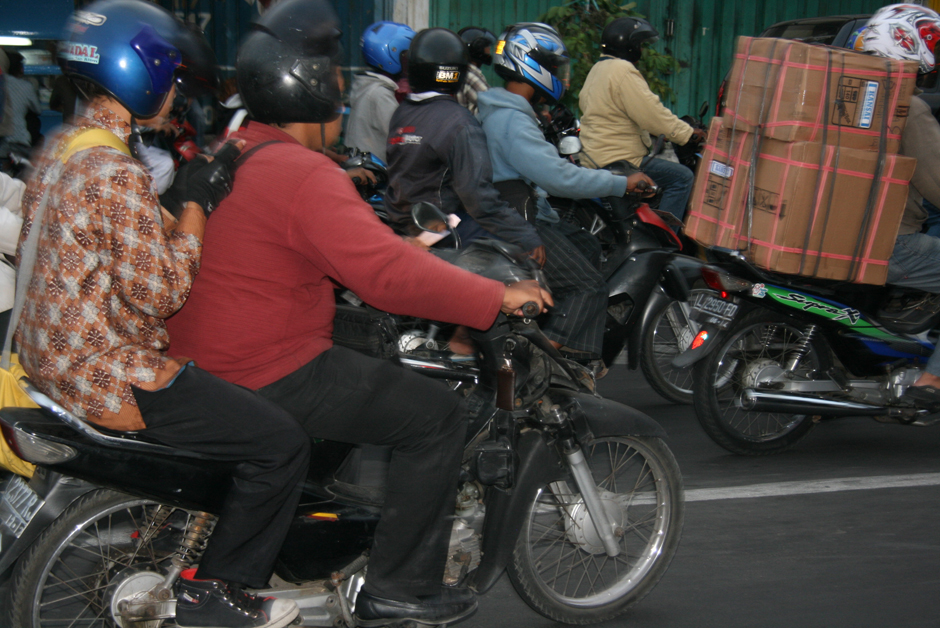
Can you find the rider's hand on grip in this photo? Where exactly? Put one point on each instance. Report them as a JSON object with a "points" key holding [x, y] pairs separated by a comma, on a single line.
{"points": [[640, 183], [525, 294]]}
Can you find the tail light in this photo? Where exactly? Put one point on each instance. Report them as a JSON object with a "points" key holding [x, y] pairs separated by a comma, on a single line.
{"points": [[32, 448], [724, 282], [699, 340]]}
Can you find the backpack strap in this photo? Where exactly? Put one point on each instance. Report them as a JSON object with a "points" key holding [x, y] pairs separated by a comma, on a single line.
{"points": [[89, 138], [241, 159]]}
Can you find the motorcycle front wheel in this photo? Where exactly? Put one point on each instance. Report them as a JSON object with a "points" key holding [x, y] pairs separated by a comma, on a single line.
{"points": [[559, 565], [104, 548], [757, 349]]}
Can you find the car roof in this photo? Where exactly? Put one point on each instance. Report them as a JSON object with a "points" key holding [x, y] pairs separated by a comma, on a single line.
{"points": [[821, 20]]}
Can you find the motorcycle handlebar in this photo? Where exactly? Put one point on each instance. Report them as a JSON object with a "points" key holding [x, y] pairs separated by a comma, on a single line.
{"points": [[530, 309]]}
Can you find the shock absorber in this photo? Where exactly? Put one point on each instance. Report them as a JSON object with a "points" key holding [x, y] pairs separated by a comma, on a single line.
{"points": [[767, 335], [801, 348], [191, 547]]}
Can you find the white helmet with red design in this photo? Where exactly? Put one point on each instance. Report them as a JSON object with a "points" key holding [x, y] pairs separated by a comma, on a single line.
{"points": [[907, 32]]}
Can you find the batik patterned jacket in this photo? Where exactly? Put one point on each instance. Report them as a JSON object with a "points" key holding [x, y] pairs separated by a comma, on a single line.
{"points": [[105, 278]]}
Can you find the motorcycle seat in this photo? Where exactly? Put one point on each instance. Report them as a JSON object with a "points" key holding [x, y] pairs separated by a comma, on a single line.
{"points": [[908, 311], [103, 436]]}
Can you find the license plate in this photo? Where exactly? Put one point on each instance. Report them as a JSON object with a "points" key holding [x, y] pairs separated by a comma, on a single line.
{"points": [[707, 308], [18, 505]]}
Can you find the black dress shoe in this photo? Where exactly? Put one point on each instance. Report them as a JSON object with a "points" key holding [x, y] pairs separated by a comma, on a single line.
{"points": [[450, 605]]}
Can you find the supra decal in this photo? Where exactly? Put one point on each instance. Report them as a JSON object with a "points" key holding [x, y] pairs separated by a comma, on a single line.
{"points": [[806, 304], [81, 52]]}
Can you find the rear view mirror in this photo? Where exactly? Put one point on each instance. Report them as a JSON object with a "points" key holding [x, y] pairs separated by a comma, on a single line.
{"points": [[429, 217], [703, 111], [569, 145]]}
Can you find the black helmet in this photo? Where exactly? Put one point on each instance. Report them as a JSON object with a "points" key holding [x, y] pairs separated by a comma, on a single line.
{"points": [[437, 62], [198, 75], [286, 67], [478, 40], [624, 36]]}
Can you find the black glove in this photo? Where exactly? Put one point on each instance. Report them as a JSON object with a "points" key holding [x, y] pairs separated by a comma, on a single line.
{"points": [[202, 182]]}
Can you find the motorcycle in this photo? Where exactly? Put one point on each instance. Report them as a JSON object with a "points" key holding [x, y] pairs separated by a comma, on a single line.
{"points": [[778, 354], [650, 280], [577, 497]]}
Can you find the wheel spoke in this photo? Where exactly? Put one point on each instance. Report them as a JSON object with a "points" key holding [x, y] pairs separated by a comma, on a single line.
{"points": [[563, 550]]}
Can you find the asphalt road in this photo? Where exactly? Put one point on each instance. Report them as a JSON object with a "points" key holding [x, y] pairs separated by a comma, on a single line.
{"points": [[841, 531], [763, 546]]}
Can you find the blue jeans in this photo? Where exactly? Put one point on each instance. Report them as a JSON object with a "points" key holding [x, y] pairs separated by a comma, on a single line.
{"points": [[676, 182], [933, 218], [915, 263]]}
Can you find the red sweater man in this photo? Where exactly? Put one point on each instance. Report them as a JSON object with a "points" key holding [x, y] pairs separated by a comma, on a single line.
{"points": [[261, 315]]}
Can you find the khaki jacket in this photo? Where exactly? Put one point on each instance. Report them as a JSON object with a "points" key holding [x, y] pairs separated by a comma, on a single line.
{"points": [[619, 112], [920, 140]]}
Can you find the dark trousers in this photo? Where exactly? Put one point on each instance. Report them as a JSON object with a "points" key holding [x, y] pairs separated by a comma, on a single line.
{"points": [[346, 396], [205, 414], [579, 291]]}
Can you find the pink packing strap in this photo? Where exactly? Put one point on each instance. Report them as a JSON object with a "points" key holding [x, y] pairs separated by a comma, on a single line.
{"points": [[816, 126], [822, 68], [812, 253], [881, 205]]}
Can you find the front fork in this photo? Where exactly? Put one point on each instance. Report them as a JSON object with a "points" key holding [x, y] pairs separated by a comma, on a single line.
{"points": [[584, 480], [559, 422]]}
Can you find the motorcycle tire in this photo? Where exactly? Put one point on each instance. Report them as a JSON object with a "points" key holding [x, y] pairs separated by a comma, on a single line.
{"points": [[670, 333], [559, 565], [756, 347], [100, 545]]}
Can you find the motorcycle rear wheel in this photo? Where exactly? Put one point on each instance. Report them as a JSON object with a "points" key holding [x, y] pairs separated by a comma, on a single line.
{"points": [[760, 340], [71, 572], [670, 333], [560, 568]]}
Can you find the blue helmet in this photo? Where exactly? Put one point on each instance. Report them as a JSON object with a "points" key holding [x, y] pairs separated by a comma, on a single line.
{"points": [[383, 43], [533, 53], [124, 47]]}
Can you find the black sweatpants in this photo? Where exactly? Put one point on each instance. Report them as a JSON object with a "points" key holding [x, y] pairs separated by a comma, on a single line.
{"points": [[346, 396], [208, 415]]}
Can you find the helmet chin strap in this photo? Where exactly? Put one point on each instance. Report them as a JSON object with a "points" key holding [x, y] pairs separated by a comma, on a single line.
{"points": [[134, 140], [323, 138]]}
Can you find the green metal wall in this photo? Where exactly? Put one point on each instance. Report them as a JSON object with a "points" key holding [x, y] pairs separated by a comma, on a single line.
{"points": [[704, 30]]}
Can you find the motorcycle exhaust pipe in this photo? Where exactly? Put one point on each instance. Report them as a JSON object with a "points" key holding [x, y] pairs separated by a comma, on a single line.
{"points": [[789, 403]]}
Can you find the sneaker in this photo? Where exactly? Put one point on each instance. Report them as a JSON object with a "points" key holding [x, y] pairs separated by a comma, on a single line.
{"points": [[451, 605], [215, 604]]}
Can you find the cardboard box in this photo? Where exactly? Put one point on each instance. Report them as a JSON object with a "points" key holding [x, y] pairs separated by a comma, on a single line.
{"points": [[835, 222], [716, 205], [797, 92]]}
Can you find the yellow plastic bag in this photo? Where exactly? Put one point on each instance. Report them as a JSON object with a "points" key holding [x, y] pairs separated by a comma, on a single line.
{"points": [[11, 395]]}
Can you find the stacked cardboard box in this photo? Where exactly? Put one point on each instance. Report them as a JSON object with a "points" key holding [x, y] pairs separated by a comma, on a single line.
{"points": [[801, 173]]}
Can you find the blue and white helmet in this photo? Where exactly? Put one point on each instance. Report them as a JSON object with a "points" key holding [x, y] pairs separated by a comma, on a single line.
{"points": [[533, 53]]}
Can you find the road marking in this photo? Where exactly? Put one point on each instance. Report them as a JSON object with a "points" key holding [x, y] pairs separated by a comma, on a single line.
{"points": [[776, 489]]}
